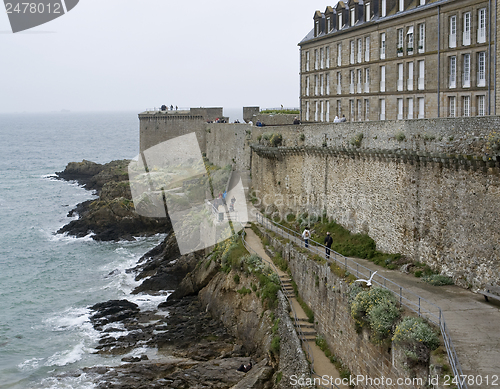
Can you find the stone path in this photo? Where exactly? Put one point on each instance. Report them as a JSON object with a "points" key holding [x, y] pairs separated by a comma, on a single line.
{"points": [[322, 365]]}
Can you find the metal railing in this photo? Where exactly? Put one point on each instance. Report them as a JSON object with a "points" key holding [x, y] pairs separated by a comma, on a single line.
{"points": [[298, 328], [406, 298]]}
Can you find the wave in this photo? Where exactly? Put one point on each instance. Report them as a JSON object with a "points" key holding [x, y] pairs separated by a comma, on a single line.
{"points": [[63, 358], [54, 237]]}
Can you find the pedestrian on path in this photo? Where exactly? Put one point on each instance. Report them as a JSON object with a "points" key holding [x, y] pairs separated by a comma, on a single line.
{"points": [[328, 244], [306, 235]]}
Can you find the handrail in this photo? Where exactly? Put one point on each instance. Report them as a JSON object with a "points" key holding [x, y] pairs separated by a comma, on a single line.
{"points": [[299, 332], [407, 298]]}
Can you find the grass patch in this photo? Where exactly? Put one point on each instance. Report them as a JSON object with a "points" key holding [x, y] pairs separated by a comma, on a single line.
{"points": [[275, 345], [308, 311], [244, 291], [438, 280], [280, 262]]}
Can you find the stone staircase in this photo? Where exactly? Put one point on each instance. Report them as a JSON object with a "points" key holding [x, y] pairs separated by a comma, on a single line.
{"points": [[306, 330]]}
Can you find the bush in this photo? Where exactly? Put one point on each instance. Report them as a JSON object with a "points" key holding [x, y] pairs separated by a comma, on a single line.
{"points": [[275, 345], [438, 280], [414, 331], [356, 140], [244, 291], [377, 308], [400, 136], [236, 278], [276, 140]]}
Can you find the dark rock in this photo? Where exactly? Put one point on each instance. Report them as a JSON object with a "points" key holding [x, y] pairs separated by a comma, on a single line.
{"points": [[113, 311]]}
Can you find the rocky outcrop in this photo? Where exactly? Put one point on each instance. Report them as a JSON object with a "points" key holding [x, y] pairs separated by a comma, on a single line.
{"points": [[112, 216]]}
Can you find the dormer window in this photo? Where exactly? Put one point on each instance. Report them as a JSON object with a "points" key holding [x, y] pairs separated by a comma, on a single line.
{"points": [[341, 24], [316, 28], [328, 24], [353, 16], [401, 5], [368, 15], [383, 8]]}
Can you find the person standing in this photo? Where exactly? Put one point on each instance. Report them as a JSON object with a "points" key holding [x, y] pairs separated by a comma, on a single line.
{"points": [[306, 235], [328, 244]]}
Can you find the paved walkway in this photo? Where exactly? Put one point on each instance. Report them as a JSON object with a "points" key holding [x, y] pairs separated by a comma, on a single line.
{"points": [[322, 365]]}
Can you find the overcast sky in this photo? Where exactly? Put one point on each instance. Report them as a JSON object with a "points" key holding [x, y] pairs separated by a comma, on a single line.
{"points": [[136, 54]]}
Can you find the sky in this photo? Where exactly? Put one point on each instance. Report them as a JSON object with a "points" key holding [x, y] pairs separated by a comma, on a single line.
{"points": [[122, 55]]}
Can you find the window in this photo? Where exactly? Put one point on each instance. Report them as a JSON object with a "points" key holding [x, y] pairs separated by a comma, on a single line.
{"points": [[316, 28], [327, 103], [383, 8], [307, 61], [360, 110], [322, 112], [421, 108], [421, 75], [422, 2], [316, 60], [466, 75], [410, 108], [382, 109], [307, 85], [367, 80], [327, 83], [409, 83], [351, 59], [322, 84], [480, 105], [367, 49], [481, 25], [367, 109], [382, 45], [401, 5], [353, 16], [451, 105], [316, 85], [340, 21], [382, 78], [481, 69], [339, 83], [351, 110], [327, 49], [339, 54], [467, 29], [368, 15], [339, 108], [351, 85], [466, 105], [307, 110], [400, 42], [360, 80], [400, 109], [409, 40], [421, 38], [400, 77], [322, 58], [453, 72], [316, 111], [360, 50], [452, 38], [328, 24]]}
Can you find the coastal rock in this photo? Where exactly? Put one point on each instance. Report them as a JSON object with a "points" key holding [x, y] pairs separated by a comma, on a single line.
{"points": [[112, 311], [112, 216]]}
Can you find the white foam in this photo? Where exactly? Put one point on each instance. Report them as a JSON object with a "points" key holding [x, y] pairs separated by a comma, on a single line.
{"points": [[30, 364], [63, 358], [70, 239], [148, 302], [84, 381]]}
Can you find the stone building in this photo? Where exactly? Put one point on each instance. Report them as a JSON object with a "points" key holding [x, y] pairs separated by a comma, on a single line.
{"points": [[400, 59]]}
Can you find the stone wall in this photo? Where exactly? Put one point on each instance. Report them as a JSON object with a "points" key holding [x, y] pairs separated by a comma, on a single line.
{"points": [[435, 201]]}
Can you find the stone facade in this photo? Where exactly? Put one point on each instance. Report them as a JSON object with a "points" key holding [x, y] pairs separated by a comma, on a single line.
{"points": [[401, 63]]}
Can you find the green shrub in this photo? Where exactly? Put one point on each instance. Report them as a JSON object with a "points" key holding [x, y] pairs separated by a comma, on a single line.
{"points": [[356, 140], [377, 308], [276, 140], [438, 280], [244, 291], [414, 331], [275, 345], [302, 137], [400, 136], [236, 278]]}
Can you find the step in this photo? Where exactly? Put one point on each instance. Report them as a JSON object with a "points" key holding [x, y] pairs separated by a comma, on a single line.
{"points": [[304, 325]]}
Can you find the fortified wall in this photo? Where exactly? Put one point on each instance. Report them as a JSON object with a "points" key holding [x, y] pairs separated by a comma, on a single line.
{"points": [[428, 189]]}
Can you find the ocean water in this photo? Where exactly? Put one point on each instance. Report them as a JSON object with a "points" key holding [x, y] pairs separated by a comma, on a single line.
{"points": [[48, 281]]}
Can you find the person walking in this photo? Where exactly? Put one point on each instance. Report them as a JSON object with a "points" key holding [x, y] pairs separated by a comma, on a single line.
{"points": [[328, 244], [306, 235]]}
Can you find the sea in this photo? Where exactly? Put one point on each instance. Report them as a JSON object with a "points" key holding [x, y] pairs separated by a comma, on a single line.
{"points": [[48, 281]]}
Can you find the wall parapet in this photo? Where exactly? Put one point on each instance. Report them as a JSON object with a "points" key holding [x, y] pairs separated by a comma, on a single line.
{"points": [[464, 161]]}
